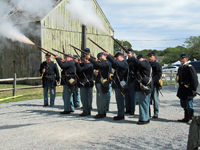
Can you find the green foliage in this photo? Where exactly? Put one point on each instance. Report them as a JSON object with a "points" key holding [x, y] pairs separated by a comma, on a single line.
{"points": [[171, 54], [193, 47]]}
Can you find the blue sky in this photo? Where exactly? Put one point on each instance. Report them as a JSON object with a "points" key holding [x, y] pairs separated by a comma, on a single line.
{"points": [[153, 24]]}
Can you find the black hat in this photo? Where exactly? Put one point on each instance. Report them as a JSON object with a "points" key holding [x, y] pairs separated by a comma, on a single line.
{"points": [[140, 56], [184, 55], [151, 54], [99, 55], [118, 54], [130, 49], [48, 54], [84, 57], [87, 50], [76, 56]]}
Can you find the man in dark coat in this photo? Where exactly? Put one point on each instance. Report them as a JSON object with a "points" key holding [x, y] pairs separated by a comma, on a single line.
{"points": [[156, 75], [76, 95], [188, 83], [68, 75], [102, 89], [143, 82], [131, 97], [50, 75], [86, 84], [120, 75]]}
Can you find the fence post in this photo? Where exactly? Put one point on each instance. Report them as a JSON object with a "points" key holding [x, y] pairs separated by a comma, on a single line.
{"points": [[14, 84]]}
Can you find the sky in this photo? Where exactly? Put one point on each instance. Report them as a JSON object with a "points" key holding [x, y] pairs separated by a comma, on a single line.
{"points": [[153, 24]]}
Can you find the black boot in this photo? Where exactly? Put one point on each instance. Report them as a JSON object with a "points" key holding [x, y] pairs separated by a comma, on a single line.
{"points": [[190, 116], [186, 117]]}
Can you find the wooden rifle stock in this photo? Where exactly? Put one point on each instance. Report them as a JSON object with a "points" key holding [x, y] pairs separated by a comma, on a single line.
{"points": [[63, 53], [121, 45], [81, 51], [48, 52], [100, 47]]}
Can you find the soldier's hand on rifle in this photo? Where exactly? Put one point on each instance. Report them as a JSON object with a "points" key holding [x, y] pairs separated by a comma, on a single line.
{"points": [[130, 55], [88, 56], [75, 60], [63, 61], [56, 56], [43, 70], [106, 53]]}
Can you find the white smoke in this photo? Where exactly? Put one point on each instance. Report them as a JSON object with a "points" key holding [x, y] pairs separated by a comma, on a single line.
{"points": [[84, 11], [30, 9], [11, 32]]}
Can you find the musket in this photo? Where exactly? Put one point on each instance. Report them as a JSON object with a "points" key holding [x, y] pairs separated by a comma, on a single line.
{"points": [[49, 52], [121, 45], [100, 47], [81, 50], [63, 53]]}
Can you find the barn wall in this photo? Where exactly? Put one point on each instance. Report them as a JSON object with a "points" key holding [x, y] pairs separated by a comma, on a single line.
{"points": [[23, 59], [59, 31]]}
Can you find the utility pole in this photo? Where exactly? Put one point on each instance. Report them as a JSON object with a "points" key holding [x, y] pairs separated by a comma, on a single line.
{"points": [[83, 43]]}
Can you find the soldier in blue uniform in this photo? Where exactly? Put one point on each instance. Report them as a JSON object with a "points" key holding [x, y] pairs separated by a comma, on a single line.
{"points": [[120, 74], [76, 95], [68, 82], [50, 75], [143, 85], [188, 83], [157, 73], [101, 82], [131, 97], [86, 84]]}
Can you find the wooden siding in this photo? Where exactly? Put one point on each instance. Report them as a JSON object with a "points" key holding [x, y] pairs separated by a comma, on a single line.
{"points": [[60, 33], [27, 57]]}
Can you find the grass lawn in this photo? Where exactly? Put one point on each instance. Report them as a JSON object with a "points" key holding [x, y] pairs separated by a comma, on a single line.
{"points": [[28, 94]]}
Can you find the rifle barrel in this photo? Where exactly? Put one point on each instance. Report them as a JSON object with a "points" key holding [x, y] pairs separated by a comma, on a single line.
{"points": [[100, 47], [48, 51], [120, 45], [63, 53], [81, 51]]}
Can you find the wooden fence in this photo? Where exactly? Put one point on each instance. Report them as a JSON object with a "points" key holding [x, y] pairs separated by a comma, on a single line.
{"points": [[15, 79], [167, 76]]}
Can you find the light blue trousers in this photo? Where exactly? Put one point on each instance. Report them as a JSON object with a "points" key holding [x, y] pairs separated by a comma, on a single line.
{"points": [[86, 96], [156, 100], [52, 95], [120, 102], [187, 104], [100, 98], [68, 98], [108, 96], [76, 97], [144, 102]]}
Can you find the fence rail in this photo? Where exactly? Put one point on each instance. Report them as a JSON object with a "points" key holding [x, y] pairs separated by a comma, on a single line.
{"points": [[15, 79], [167, 76]]}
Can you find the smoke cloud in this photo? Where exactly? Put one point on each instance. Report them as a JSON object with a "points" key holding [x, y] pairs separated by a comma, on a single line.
{"points": [[85, 12], [30, 9]]}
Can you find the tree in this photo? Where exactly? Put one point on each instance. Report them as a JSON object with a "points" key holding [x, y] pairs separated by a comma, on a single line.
{"points": [[118, 48], [193, 47]]}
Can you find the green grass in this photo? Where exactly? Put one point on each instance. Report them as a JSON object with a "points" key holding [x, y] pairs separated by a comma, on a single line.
{"points": [[28, 94]]}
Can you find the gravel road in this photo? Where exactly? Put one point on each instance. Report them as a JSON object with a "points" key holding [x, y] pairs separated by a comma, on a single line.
{"points": [[28, 125]]}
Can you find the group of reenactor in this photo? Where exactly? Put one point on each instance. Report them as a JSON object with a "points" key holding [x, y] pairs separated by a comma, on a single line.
{"points": [[133, 79]]}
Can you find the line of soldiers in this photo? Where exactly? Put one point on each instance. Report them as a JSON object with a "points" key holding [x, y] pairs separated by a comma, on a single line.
{"points": [[134, 77]]}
